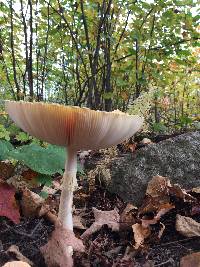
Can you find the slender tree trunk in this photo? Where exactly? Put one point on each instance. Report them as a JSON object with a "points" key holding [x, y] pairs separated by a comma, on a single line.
{"points": [[137, 86], [30, 60], [45, 53], [13, 51], [26, 45], [108, 89]]}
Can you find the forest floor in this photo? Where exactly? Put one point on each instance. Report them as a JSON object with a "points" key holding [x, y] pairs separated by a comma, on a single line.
{"points": [[164, 246]]}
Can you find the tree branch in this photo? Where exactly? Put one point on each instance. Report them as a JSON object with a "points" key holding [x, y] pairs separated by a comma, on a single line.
{"points": [[121, 36]]}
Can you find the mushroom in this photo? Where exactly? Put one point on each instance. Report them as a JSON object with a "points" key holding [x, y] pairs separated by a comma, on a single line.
{"points": [[76, 129], [16, 264]]}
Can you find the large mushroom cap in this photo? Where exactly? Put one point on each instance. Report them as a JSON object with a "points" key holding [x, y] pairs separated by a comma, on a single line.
{"points": [[75, 127], [16, 264]]}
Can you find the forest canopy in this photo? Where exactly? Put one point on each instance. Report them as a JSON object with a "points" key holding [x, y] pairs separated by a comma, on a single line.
{"points": [[104, 54]]}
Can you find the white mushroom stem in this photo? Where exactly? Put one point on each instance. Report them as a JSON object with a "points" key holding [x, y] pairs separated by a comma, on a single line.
{"points": [[68, 185]]}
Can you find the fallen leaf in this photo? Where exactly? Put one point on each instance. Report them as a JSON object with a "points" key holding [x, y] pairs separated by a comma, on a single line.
{"points": [[140, 234], [192, 260], [163, 209], [8, 205], [187, 226], [15, 250], [110, 218], [181, 193], [195, 208], [56, 251], [18, 182], [6, 169], [77, 222], [196, 190], [132, 147], [30, 177], [31, 203], [16, 264], [128, 216], [158, 186]]}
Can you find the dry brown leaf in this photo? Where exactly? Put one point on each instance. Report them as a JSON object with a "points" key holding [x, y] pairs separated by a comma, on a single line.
{"points": [[30, 177], [16, 264], [128, 216], [158, 186], [55, 252], [132, 147], [77, 222], [187, 226], [110, 218], [181, 193], [15, 250], [6, 169], [192, 260], [196, 190], [18, 182], [163, 209], [140, 233], [31, 203], [195, 208]]}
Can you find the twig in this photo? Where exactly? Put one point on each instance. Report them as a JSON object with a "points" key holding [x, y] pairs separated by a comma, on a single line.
{"points": [[30, 235], [165, 262], [177, 241]]}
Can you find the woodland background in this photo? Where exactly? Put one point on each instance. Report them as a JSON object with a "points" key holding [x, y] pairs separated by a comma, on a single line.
{"points": [[105, 55]]}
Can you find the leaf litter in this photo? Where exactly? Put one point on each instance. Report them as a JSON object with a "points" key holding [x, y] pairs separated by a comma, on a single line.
{"points": [[114, 233]]}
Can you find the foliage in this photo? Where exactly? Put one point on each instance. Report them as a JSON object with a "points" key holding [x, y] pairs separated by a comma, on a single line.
{"points": [[5, 147], [23, 137], [4, 134], [102, 54], [44, 160]]}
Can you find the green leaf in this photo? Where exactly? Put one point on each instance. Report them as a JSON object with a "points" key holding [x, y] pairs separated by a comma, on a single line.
{"points": [[43, 179], [5, 147], [184, 121], [4, 134], [23, 137], [108, 95], [159, 127], [43, 194], [48, 160]]}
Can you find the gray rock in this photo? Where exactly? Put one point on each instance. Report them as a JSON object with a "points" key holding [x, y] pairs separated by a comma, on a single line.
{"points": [[177, 158]]}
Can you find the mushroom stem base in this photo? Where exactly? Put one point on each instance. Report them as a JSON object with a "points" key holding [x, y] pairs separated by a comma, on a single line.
{"points": [[66, 200], [68, 185]]}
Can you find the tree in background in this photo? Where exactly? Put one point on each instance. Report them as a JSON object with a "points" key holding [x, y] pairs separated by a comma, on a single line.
{"points": [[102, 54]]}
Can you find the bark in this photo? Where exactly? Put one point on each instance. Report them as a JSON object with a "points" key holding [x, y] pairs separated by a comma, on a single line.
{"points": [[45, 53], [13, 51], [30, 59]]}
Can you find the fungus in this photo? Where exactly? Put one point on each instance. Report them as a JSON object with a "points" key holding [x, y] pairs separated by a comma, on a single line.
{"points": [[76, 129], [16, 264]]}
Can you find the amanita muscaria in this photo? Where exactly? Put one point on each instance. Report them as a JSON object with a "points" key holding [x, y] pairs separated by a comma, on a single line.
{"points": [[76, 129]]}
